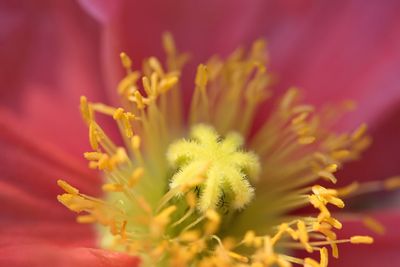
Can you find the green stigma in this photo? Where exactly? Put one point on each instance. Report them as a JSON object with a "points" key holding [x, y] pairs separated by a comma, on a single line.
{"points": [[225, 167]]}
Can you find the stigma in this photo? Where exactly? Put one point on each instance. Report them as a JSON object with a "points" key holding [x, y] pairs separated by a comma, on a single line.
{"points": [[204, 185], [225, 169]]}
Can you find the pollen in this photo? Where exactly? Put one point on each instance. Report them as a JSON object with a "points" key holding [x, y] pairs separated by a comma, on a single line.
{"points": [[204, 184]]}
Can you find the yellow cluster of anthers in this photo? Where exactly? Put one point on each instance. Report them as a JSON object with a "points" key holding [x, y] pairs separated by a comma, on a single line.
{"points": [[204, 200]]}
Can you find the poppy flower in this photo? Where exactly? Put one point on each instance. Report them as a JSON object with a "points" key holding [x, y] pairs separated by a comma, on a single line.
{"points": [[187, 181]]}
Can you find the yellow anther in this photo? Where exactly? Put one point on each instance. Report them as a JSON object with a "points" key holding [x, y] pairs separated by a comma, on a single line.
{"points": [[324, 192], [292, 233], [93, 156], [127, 125], [327, 196], [333, 222], [167, 84], [300, 118], [93, 165], [317, 203], [249, 238], [135, 177], [189, 236], [74, 202], [335, 250], [303, 236], [324, 257], [392, 183], [112, 187], [328, 176], [65, 199], [359, 132], [282, 228], [306, 140], [119, 112], [86, 219], [341, 154], [347, 190], [238, 257], [67, 187], [201, 76], [169, 44], [139, 100], [128, 85], [87, 113], [104, 163], [164, 216], [135, 141], [331, 168], [213, 222], [93, 136], [308, 262], [289, 98], [374, 225], [191, 199], [147, 86], [126, 61], [156, 66], [358, 239]]}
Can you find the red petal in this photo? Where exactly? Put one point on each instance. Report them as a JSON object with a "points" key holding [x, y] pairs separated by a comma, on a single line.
{"points": [[50, 58], [42, 254], [384, 252]]}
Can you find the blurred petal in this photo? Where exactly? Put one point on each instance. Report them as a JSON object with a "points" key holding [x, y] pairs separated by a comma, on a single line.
{"points": [[102, 10], [383, 252], [43, 254], [63, 233], [50, 57]]}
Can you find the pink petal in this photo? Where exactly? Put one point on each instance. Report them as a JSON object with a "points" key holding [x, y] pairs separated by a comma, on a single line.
{"points": [[380, 161], [49, 59], [62, 232], [102, 10], [29, 170], [43, 254], [384, 252]]}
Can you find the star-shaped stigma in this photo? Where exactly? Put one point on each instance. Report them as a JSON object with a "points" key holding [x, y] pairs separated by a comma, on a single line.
{"points": [[225, 166]]}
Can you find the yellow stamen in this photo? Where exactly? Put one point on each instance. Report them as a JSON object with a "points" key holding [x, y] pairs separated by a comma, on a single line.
{"points": [[211, 188]]}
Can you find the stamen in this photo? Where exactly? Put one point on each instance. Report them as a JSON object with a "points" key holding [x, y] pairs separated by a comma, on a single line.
{"points": [[178, 200]]}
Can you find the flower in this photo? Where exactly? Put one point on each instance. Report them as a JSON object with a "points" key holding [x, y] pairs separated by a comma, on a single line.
{"points": [[12, 136]]}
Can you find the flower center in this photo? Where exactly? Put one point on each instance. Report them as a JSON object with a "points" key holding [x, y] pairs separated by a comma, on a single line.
{"points": [[180, 202], [221, 165]]}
